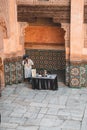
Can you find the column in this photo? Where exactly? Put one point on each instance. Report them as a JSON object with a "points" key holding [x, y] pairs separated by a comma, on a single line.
{"points": [[12, 45], [76, 41], [66, 27]]}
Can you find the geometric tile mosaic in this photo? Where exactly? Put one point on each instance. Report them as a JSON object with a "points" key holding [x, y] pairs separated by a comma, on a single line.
{"points": [[67, 73], [75, 75], [13, 70], [51, 60], [78, 74], [83, 75]]}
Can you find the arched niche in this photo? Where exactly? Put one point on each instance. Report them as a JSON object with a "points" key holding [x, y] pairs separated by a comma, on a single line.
{"points": [[66, 28], [44, 34]]}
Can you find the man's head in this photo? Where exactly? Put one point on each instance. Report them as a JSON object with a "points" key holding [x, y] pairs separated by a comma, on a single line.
{"points": [[25, 56]]}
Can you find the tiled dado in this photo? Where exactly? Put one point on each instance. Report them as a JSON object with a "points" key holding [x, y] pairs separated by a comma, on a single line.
{"points": [[51, 60], [75, 74], [67, 73], [78, 74], [13, 70], [83, 74]]}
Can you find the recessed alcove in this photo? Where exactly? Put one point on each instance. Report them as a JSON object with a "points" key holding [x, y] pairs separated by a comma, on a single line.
{"points": [[45, 44]]}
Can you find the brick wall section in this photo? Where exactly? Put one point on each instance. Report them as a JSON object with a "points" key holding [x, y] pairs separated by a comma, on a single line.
{"points": [[43, 2]]}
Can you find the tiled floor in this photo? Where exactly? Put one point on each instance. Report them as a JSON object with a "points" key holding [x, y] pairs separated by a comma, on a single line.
{"points": [[23, 108]]}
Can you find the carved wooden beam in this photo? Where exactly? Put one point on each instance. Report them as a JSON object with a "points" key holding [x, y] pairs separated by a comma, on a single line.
{"points": [[29, 13], [51, 44], [85, 14]]}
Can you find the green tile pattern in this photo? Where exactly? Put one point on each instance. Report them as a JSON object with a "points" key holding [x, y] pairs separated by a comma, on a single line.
{"points": [[13, 70], [67, 73], [78, 75], [51, 60], [74, 75]]}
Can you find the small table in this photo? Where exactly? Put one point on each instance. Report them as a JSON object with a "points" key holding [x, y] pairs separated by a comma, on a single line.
{"points": [[48, 82]]}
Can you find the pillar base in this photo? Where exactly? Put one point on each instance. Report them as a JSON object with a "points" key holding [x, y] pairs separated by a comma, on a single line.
{"points": [[78, 74]]}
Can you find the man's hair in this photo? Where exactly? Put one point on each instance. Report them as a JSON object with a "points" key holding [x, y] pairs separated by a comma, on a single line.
{"points": [[25, 56]]}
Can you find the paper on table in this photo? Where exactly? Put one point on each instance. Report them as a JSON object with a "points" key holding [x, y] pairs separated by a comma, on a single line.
{"points": [[33, 72]]}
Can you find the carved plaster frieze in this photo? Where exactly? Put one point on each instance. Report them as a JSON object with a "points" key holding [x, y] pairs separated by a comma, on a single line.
{"points": [[46, 2], [66, 27], [4, 28], [23, 25]]}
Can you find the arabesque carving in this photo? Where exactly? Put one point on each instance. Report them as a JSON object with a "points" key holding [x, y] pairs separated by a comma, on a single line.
{"points": [[23, 25], [4, 28], [66, 27]]}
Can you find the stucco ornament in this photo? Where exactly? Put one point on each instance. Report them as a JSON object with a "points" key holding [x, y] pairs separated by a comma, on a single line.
{"points": [[4, 28]]}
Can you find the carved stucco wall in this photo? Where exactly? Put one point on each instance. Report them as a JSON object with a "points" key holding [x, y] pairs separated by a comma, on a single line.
{"points": [[9, 33], [57, 2], [4, 32], [22, 25], [4, 14], [1, 39], [85, 2], [66, 27], [4, 22]]}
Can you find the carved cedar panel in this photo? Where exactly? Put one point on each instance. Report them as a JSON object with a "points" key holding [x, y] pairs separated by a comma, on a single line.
{"points": [[29, 13], [85, 35], [85, 14]]}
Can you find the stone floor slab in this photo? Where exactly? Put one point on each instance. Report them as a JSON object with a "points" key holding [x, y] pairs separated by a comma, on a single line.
{"points": [[23, 108]]}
